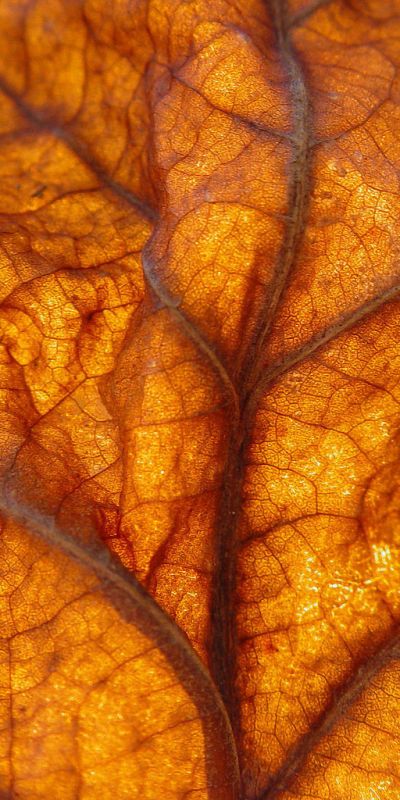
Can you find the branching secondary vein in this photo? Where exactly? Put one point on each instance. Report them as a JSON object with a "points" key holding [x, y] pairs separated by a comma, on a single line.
{"points": [[147, 617], [39, 122], [342, 702]]}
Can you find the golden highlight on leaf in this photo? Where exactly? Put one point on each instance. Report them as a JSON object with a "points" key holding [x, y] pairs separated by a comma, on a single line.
{"points": [[200, 403]]}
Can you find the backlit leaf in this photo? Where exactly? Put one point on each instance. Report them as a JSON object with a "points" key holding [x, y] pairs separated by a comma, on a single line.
{"points": [[200, 422]]}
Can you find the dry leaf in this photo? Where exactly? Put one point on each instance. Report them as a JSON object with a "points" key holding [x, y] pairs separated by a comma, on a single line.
{"points": [[200, 424]]}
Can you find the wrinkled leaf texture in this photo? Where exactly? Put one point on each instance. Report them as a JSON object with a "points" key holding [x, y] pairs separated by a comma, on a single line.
{"points": [[199, 214]]}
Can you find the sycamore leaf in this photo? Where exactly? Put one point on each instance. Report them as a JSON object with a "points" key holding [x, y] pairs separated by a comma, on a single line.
{"points": [[200, 419]]}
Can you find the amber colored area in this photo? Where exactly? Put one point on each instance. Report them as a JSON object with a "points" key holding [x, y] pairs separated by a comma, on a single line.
{"points": [[200, 400]]}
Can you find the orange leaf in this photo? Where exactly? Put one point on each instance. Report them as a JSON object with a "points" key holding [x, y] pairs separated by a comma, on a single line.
{"points": [[200, 405]]}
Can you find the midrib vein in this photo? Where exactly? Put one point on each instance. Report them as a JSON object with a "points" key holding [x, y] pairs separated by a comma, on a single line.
{"points": [[298, 196], [223, 637]]}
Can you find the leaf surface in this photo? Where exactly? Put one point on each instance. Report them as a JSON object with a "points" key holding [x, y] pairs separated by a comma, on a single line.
{"points": [[199, 375]]}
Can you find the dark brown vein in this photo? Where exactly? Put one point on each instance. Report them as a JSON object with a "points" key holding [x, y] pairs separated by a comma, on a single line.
{"points": [[252, 125], [38, 121], [153, 623], [341, 325], [301, 16], [223, 643], [342, 700], [193, 333], [298, 192]]}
